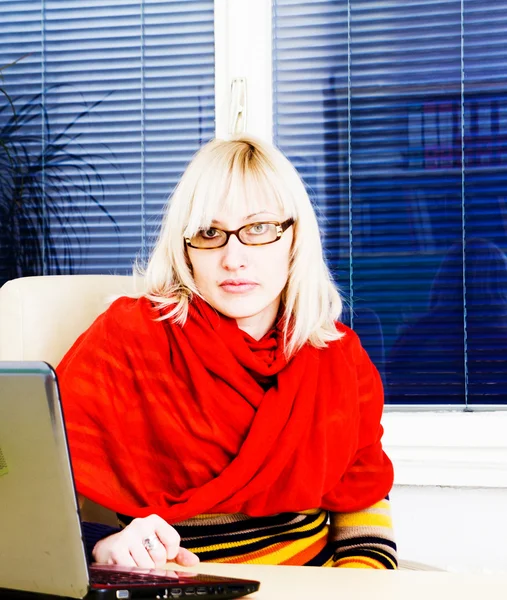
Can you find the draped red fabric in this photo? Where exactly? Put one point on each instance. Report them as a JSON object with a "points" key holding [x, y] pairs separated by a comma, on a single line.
{"points": [[174, 420]]}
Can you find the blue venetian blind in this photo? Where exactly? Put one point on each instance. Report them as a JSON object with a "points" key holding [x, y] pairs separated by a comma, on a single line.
{"points": [[112, 99], [395, 114]]}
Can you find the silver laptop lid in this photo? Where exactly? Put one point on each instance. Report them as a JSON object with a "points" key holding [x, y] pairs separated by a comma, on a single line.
{"points": [[41, 549]]}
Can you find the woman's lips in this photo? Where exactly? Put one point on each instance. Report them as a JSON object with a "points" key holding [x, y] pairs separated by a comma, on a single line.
{"points": [[240, 286]]}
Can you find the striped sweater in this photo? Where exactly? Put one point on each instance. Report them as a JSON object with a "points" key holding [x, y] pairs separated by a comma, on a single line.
{"points": [[361, 539]]}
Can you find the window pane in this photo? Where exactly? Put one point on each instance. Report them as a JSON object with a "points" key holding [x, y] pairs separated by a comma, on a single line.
{"points": [[127, 88], [376, 103]]}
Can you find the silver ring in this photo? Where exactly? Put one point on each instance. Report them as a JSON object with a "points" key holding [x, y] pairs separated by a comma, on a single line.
{"points": [[151, 542]]}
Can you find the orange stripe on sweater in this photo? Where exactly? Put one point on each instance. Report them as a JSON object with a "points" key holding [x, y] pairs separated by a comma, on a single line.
{"points": [[307, 554]]}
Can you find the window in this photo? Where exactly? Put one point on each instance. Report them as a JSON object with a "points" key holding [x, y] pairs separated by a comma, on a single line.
{"points": [[394, 113]]}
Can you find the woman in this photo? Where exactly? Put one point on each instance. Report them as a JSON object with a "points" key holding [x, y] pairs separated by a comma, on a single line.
{"points": [[225, 415]]}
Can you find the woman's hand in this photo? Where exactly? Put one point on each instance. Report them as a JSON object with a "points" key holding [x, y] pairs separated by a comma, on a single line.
{"points": [[147, 543]]}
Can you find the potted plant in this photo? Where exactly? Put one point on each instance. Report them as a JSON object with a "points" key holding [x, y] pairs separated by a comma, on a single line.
{"points": [[38, 183]]}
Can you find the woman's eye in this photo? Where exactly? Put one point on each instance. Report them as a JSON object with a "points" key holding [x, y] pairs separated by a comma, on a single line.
{"points": [[208, 233], [258, 228]]}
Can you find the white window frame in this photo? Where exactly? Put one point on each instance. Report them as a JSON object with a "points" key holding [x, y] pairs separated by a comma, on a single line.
{"points": [[428, 447], [243, 50]]}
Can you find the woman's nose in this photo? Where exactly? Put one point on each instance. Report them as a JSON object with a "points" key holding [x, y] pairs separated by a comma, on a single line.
{"points": [[234, 254]]}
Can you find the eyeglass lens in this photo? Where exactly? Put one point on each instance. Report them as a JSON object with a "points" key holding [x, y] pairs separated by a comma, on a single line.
{"points": [[253, 234]]}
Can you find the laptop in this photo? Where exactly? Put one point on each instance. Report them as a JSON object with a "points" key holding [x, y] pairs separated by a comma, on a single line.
{"points": [[41, 542]]}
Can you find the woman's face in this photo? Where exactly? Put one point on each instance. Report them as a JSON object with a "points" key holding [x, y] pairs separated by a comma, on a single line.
{"points": [[244, 282]]}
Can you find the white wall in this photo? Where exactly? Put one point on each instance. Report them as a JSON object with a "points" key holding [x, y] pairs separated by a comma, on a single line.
{"points": [[449, 501], [456, 529]]}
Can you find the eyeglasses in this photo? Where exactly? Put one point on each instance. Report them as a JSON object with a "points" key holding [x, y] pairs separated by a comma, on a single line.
{"points": [[253, 234]]}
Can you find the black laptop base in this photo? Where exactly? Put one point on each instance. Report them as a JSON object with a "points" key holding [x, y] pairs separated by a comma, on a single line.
{"points": [[204, 587]]}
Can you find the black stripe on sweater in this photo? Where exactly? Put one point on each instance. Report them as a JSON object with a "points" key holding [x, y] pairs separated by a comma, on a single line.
{"points": [[365, 539], [378, 555], [252, 546], [192, 534]]}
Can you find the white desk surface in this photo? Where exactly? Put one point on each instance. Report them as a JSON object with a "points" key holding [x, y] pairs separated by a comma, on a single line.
{"points": [[298, 583]]}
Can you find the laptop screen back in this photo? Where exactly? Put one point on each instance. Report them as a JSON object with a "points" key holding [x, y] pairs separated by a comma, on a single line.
{"points": [[40, 542]]}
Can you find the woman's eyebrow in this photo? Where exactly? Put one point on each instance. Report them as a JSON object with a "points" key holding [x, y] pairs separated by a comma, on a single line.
{"points": [[262, 212]]}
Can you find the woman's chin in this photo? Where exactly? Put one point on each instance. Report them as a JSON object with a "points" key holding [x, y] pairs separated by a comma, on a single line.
{"points": [[240, 307]]}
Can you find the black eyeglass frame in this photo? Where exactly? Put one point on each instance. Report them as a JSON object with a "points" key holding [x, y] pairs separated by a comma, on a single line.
{"points": [[280, 229]]}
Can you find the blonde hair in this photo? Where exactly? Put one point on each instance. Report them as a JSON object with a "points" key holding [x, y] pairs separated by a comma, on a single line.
{"points": [[223, 175]]}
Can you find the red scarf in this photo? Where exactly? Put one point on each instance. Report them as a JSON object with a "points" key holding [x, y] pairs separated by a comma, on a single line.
{"points": [[175, 420]]}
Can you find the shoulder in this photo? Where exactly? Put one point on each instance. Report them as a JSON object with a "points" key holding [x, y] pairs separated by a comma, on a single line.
{"points": [[348, 341], [125, 320], [126, 313], [347, 352], [127, 324], [343, 329]]}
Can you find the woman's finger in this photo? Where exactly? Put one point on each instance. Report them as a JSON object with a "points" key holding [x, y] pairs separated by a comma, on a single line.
{"points": [[169, 538], [186, 558], [102, 550], [121, 556], [156, 550], [142, 556]]}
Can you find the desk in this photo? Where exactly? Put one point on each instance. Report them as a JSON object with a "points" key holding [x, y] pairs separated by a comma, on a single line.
{"points": [[298, 583]]}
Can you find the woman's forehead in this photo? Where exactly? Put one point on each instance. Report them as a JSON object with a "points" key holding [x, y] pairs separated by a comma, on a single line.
{"points": [[239, 206]]}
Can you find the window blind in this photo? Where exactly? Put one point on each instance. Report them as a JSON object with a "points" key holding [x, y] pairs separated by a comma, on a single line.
{"points": [[395, 115], [114, 97]]}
